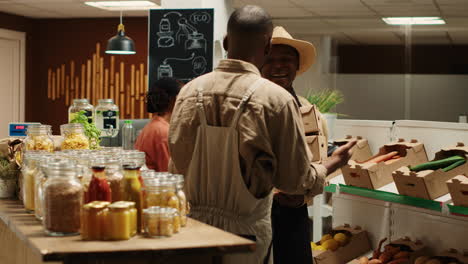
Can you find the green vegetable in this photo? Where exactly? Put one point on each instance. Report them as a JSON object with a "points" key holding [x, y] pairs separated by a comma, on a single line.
{"points": [[325, 99], [7, 170], [454, 165], [437, 164], [91, 131]]}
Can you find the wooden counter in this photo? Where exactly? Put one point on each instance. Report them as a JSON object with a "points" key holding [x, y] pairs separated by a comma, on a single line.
{"points": [[22, 240]]}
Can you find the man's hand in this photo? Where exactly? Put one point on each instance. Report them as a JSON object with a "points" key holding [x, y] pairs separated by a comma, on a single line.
{"points": [[339, 158]]}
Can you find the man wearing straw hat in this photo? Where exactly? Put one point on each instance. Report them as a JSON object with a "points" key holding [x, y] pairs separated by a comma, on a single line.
{"points": [[289, 58]]}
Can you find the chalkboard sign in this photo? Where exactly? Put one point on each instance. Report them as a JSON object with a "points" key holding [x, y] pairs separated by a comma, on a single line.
{"points": [[180, 43]]}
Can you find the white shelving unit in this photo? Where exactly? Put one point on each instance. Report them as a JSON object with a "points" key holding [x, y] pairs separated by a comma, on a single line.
{"points": [[438, 230]]}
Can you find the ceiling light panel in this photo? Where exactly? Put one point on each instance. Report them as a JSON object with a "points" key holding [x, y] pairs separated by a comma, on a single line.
{"points": [[124, 5], [414, 20]]}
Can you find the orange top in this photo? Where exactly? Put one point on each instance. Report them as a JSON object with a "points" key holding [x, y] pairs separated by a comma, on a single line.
{"points": [[153, 141]]}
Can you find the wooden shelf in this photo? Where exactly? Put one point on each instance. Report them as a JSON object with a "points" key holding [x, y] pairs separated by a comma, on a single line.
{"points": [[195, 239]]}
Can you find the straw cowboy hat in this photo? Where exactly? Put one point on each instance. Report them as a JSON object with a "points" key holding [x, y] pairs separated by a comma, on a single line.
{"points": [[305, 49]]}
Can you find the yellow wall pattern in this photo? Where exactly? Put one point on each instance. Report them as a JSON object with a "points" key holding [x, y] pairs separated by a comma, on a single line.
{"points": [[93, 81]]}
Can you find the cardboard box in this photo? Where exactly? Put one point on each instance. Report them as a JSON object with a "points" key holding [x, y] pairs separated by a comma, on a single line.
{"points": [[430, 184], [452, 255], [375, 175], [416, 248], [361, 151], [458, 188], [312, 120], [357, 245], [318, 146]]}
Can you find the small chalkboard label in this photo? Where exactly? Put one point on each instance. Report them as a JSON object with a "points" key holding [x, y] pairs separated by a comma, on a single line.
{"points": [[180, 43]]}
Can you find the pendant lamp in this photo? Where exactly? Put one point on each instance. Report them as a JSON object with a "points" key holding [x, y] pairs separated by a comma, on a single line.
{"points": [[120, 44]]}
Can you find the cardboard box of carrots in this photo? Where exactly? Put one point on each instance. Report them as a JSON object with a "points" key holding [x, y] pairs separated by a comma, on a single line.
{"points": [[428, 180], [451, 256], [377, 171], [343, 244], [401, 251]]}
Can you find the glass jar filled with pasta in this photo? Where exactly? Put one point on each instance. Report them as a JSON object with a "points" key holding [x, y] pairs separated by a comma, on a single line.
{"points": [[39, 137], [29, 170], [73, 137]]}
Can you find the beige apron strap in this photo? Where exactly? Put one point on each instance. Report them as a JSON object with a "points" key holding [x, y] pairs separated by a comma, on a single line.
{"points": [[244, 100], [200, 108]]}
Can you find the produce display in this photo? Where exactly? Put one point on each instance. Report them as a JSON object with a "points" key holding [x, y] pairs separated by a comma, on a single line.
{"points": [[452, 256], [329, 242], [446, 165], [384, 157], [392, 254]]}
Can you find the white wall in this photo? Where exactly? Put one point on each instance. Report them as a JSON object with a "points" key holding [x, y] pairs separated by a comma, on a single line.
{"points": [[382, 96], [318, 76]]}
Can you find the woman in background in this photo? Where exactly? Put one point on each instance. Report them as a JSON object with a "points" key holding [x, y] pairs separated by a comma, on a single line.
{"points": [[153, 137]]}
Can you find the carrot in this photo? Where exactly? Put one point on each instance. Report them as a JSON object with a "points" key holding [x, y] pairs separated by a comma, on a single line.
{"points": [[399, 261], [377, 252], [383, 157]]}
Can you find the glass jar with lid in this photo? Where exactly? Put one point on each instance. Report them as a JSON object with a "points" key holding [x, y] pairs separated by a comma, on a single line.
{"points": [[41, 178], [81, 105], [63, 197], [29, 170], [159, 222], [94, 221], [99, 188], [121, 220], [136, 157], [132, 190], [183, 205], [161, 192], [73, 137], [114, 175], [107, 117], [39, 137]]}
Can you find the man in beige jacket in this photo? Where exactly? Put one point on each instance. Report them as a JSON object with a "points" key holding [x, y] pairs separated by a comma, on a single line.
{"points": [[235, 136]]}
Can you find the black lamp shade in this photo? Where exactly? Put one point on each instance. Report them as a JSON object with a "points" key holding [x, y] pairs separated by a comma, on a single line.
{"points": [[120, 44]]}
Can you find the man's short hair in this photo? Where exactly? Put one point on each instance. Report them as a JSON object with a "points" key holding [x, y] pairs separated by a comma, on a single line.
{"points": [[250, 19]]}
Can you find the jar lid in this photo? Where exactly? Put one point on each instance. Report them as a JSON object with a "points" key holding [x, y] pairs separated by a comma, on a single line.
{"points": [[105, 160], [106, 101], [59, 163], [96, 205], [178, 178], [133, 154], [120, 205], [129, 203], [71, 126], [81, 100], [39, 128], [153, 210]]}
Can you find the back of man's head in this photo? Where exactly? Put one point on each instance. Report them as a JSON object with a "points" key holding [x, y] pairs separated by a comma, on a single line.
{"points": [[250, 19], [249, 34]]}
